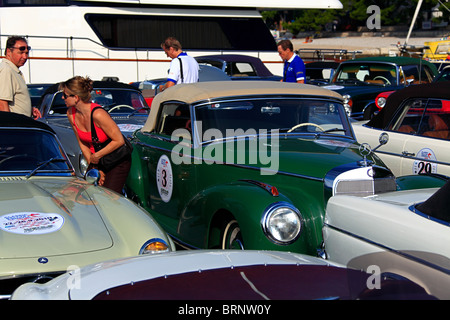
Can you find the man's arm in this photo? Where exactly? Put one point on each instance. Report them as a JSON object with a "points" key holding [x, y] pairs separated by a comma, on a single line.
{"points": [[4, 106]]}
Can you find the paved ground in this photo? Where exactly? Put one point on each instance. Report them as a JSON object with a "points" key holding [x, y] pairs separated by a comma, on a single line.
{"points": [[368, 45]]}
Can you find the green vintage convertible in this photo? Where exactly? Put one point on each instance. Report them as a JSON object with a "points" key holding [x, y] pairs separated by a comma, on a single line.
{"points": [[50, 220], [250, 164]]}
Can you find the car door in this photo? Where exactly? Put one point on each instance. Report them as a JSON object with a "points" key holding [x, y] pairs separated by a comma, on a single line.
{"points": [[172, 173], [425, 146]]}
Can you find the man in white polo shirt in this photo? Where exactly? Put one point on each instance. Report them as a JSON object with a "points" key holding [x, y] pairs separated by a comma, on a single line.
{"points": [[14, 95], [183, 68]]}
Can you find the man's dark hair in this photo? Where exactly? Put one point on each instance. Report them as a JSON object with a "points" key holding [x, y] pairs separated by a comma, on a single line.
{"points": [[286, 44], [12, 41]]}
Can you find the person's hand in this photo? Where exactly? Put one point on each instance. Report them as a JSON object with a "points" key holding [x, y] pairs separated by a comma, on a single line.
{"points": [[94, 158], [101, 180], [36, 113]]}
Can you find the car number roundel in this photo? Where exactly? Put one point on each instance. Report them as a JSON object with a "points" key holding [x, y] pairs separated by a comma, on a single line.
{"points": [[164, 178]]}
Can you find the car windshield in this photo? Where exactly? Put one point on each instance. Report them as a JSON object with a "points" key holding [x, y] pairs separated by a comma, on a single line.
{"points": [[294, 116], [23, 151], [112, 100], [366, 73]]}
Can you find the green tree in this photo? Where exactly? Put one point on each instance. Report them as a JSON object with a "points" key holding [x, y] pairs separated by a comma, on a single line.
{"points": [[354, 13]]}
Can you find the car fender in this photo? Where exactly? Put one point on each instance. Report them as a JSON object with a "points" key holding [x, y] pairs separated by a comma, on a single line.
{"points": [[132, 220], [420, 181], [135, 188], [241, 200]]}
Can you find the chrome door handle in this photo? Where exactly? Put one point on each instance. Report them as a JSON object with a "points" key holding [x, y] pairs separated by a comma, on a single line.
{"points": [[408, 154]]}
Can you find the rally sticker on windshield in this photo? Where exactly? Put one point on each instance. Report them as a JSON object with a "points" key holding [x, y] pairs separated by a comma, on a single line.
{"points": [[164, 178], [31, 223]]}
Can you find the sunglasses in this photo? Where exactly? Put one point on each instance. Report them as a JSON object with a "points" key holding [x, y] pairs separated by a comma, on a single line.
{"points": [[22, 48], [65, 96]]}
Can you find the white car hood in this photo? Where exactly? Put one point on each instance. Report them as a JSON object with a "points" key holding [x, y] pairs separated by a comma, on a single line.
{"points": [[42, 218]]}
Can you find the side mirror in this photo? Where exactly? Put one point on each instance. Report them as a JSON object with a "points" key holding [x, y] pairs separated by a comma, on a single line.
{"points": [[92, 176], [383, 139]]}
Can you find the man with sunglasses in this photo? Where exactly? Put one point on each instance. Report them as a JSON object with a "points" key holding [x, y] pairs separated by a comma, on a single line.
{"points": [[14, 95]]}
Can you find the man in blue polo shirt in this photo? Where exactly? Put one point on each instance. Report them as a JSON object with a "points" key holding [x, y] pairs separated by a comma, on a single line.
{"points": [[183, 68], [294, 68]]}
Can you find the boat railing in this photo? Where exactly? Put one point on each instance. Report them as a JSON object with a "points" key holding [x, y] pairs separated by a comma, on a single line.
{"points": [[312, 54], [74, 47]]}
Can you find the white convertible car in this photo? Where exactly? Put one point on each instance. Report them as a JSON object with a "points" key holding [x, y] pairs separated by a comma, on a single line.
{"points": [[417, 120], [219, 275], [405, 233]]}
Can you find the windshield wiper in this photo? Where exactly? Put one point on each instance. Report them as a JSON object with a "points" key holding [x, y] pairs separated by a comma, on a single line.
{"points": [[330, 130], [137, 110], [43, 164]]}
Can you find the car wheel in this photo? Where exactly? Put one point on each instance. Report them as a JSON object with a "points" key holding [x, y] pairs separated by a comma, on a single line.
{"points": [[231, 236]]}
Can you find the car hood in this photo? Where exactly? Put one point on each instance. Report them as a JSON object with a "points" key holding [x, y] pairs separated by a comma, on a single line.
{"points": [[40, 218], [357, 89], [128, 125], [309, 156]]}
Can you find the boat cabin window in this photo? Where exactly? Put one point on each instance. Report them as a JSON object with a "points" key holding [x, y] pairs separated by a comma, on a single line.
{"points": [[195, 33]]}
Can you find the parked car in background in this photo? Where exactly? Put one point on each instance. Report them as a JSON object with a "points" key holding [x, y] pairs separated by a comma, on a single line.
{"points": [[150, 88], [239, 67], [320, 72], [403, 232], [50, 219], [360, 80], [36, 90], [220, 275], [444, 75], [437, 50], [124, 103], [417, 120], [380, 100], [248, 164]]}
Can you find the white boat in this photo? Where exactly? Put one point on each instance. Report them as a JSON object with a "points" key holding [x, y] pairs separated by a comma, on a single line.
{"points": [[122, 38]]}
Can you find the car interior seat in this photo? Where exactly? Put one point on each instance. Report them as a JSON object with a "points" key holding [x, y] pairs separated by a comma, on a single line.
{"points": [[438, 127]]}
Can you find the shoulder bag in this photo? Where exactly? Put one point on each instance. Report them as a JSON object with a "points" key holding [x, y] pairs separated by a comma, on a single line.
{"points": [[109, 161]]}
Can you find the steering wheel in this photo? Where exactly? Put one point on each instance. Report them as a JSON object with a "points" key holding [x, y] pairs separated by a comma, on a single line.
{"points": [[386, 81], [305, 124], [120, 106]]}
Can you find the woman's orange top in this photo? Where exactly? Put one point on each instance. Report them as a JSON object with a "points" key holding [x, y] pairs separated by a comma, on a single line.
{"points": [[86, 137]]}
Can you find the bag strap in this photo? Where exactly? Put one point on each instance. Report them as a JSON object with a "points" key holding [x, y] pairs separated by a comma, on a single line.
{"points": [[93, 131], [181, 70]]}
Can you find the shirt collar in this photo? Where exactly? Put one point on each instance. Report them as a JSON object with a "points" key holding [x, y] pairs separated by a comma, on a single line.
{"points": [[291, 59], [12, 65]]}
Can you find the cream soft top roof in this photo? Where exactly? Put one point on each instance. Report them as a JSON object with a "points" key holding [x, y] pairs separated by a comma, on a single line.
{"points": [[200, 91]]}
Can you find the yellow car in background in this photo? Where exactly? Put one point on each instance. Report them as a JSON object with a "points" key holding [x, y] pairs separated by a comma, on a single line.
{"points": [[437, 50]]}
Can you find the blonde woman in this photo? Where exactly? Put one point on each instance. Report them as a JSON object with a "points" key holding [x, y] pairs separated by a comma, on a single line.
{"points": [[77, 96]]}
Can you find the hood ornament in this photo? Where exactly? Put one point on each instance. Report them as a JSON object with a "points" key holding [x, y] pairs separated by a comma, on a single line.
{"points": [[365, 149]]}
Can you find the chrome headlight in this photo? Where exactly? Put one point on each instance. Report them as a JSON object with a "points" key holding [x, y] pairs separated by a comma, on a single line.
{"points": [[281, 223], [381, 102], [83, 165], [155, 245], [348, 103]]}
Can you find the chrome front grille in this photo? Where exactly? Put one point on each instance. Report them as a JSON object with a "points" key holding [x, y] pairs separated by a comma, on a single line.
{"points": [[12, 178], [364, 188]]}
